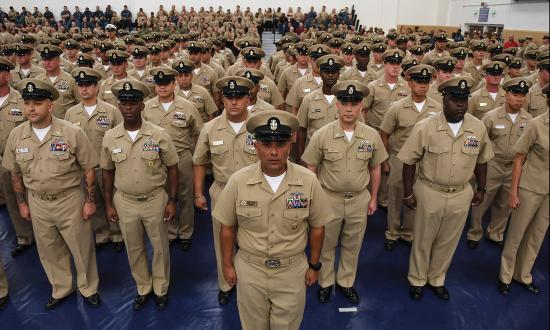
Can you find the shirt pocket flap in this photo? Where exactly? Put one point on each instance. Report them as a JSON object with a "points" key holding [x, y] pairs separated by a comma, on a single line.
{"points": [[364, 155], [438, 149], [316, 114], [333, 155], [179, 123], [218, 150], [24, 156], [249, 212], [149, 155], [470, 150], [295, 214], [59, 156], [118, 157]]}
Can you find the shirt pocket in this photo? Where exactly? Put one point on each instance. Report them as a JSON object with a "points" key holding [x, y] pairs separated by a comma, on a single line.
{"points": [[437, 158], [118, 157], [294, 221], [249, 217], [152, 160], [217, 151], [61, 162], [179, 123], [15, 119], [332, 155], [24, 160]]}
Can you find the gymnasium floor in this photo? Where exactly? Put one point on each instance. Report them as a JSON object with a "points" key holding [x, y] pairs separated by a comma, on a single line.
{"points": [[475, 301]]}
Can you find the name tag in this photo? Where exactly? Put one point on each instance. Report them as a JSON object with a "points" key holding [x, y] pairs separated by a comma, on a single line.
{"points": [[249, 203], [217, 143], [500, 126], [22, 150], [333, 150], [431, 113], [117, 150], [482, 104], [307, 90], [77, 123], [108, 92]]}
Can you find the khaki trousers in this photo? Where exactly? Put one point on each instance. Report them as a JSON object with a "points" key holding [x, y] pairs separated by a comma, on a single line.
{"points": [[395, 205], [438, 223], [524, 238], [61, 232], [139, 218], [347, 231], [499, 181], [270, 298], [23, 228], [215, 191], [104, 230], [3, 281], [183, 226]]}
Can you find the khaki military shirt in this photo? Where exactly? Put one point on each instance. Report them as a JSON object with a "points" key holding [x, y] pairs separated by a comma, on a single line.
{"points": [[226, 150], [344, 166], [17, 74], [355, 74], [218, 69], [444, 159], [534, 144], [401, 118], [202, 100], [259, 106], [503, 132], [104, 117], [536, 102], [273, 225], [434, 94], [146, 78], [281, 66], [481, 102], [181, 121], [315, 112], [140, 164], [434, 54], [476, 72], [105, 71], [68, 95], [206, 77], [302, 87], [270, 93], [289, 76], [381, 97], [11, 115], [375, 67], [54, 165]]}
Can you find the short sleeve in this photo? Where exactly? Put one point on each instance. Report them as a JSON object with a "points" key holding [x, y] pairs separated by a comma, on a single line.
{"points": [[201, 156], [389, 122], [302, 112], [8, 162], [413, 149], [105, 160], [320, 211], [84, 155], [525, 141], [380, 153], [225, 211], [168, 152], [486, 152], [314, 150]]}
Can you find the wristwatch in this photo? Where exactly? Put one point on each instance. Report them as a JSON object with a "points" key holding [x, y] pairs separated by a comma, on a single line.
{"points": [[484, 189], [316, 267]]}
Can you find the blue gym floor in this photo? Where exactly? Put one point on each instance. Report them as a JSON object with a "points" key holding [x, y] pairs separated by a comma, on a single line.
{"points": [[385, 303]]}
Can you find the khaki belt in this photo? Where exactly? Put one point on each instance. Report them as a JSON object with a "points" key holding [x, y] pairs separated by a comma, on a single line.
{"points": [[345, 194], [271, 262], [447, 189], [142, 198], [51, 198]]}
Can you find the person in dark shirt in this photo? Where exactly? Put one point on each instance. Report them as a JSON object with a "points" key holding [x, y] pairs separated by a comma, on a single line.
{"points": [[126, 18], [66, 17]]}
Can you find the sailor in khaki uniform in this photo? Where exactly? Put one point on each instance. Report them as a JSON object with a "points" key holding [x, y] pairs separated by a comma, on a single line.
{"points": [[47, 158], [118, 61], [382, 93], [181, 120], [395, 130], [24, 68], [11, 116], [104, 67], [448, 148], [536, 101], [96, 117], [60, 79], [192, 92], [300, 69], [308, 83], [361, 71], [346, 156], [444, 68], [491, 95], [505, 125], [273, 207], [224, 143], [141, 71], [255, 104], [377, 63], [203, 75], [319, 107], [529, 201], [440, 49], [475, 66], [138, 158]]}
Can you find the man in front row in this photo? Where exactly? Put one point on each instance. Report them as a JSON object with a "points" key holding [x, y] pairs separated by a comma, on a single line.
{"points": [[272, 206], [448, 148], [133, 157], [47, 158], [346, 156]]}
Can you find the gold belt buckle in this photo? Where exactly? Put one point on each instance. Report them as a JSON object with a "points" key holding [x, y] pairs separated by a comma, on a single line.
{"points": [[272, 263], [451, 189], [141, 199], [348, 194]]}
